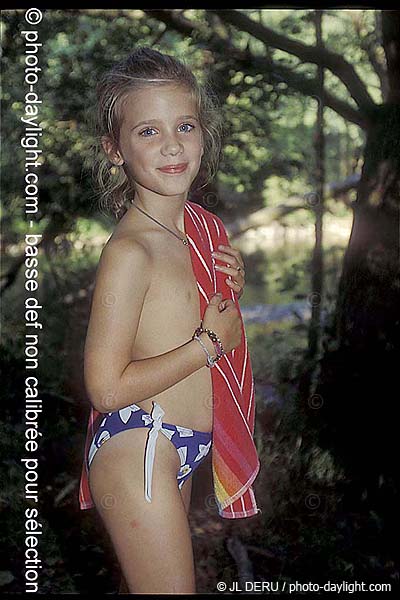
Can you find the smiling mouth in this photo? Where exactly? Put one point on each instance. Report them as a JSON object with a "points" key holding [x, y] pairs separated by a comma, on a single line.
{"points": [[172, 169]]}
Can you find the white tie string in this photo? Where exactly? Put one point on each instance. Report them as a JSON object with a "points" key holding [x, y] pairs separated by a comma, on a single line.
{"points": [[156, 418]]}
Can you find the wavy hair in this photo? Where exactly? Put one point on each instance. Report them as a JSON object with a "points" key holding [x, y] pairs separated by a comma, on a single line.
{"points": [[142, 68]]}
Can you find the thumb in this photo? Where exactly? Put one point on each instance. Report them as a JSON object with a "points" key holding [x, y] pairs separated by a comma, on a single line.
{"points": [[216, 298]]}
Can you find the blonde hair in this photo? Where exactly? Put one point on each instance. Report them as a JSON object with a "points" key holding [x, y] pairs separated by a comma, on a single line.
{"points": [[147, 67]]}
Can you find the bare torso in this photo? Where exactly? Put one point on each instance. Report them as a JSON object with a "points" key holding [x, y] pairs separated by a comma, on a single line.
{"points": [[170, 314]]}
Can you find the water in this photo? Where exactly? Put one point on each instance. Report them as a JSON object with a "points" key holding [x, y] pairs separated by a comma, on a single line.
{"points": [[278, 272], [276, 294]]}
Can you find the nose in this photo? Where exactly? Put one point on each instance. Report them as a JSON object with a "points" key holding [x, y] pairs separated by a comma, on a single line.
{"points": [[172, 145]]}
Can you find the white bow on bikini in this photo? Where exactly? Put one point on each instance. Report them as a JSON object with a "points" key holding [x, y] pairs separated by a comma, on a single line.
{"points": [[156, 418]]}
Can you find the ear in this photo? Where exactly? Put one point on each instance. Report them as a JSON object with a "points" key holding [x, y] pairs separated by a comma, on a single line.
{"points": [[114, 155]]}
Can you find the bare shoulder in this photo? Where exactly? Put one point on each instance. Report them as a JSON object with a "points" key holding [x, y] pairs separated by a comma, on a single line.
{"points": [[124, 268], [125, 257]]}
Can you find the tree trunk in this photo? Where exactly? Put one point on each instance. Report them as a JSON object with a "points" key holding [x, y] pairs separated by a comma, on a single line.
{"points": [[368, 310], [358, 382]]}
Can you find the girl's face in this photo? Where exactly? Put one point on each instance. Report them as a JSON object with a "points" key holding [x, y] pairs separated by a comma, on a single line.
{"points": [[160, 128]]}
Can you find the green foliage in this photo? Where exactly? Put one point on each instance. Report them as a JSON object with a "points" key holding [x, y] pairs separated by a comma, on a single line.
{"points": [[270, 128], [268, 152]]}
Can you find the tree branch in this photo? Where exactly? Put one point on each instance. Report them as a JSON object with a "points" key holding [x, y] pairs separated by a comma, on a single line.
{"points": [[261, 218], [391, 45], [369, 46], [380, 66], [267, 215], [309, 87], [297, 82], [319, 56]]}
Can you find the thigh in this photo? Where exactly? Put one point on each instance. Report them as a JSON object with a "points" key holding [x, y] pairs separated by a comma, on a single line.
{"points": [[152, 540], [186, 492]]}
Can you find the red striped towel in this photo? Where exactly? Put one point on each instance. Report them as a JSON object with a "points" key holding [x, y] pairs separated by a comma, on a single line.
{"points": [[235, 462]]}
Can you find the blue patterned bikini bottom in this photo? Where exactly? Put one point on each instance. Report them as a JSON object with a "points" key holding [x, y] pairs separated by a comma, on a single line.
{"points": [[191, 445]]}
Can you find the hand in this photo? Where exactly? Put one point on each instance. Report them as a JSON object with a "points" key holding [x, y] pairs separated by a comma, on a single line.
{"points": [[232, 257], [226, 322]]}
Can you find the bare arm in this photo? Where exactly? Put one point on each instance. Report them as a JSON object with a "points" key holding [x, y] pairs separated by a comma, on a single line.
{"points": [[145, 378], [112, 379]]}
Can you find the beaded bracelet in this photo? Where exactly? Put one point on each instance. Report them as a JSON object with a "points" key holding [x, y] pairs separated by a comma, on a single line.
{"points": [[210, 360], [215, 340]]}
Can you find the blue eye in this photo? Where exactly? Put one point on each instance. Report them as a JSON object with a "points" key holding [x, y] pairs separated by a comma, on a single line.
{"points": [[188, 124], [144, 131], [144, 134]]}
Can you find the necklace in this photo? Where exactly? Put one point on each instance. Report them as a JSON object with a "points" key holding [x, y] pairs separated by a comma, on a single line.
{"points": [[183, 240]]}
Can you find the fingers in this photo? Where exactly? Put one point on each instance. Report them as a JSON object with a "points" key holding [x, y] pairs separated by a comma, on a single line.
{"points": [[225, 304], [236, 284], [231, 271], [228, 252], [229, 302], [232, 258], [237, 287], [216, 299]]}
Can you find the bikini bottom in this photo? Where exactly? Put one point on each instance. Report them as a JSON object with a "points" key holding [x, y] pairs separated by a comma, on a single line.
{"points": [[191, 445]]}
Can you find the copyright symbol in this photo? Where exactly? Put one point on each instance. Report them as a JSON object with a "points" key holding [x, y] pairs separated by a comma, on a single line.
{"points": [[33, 16], [108, 501], [311, 198], [210, 501], [312, 501], [314, 299], [315, 401], [210, 199], [108, 299], [208, 401], [221, 586], [109, 400]]}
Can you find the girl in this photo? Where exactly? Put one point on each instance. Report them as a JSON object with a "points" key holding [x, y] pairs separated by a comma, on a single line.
{"points": [[166, 363]]}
